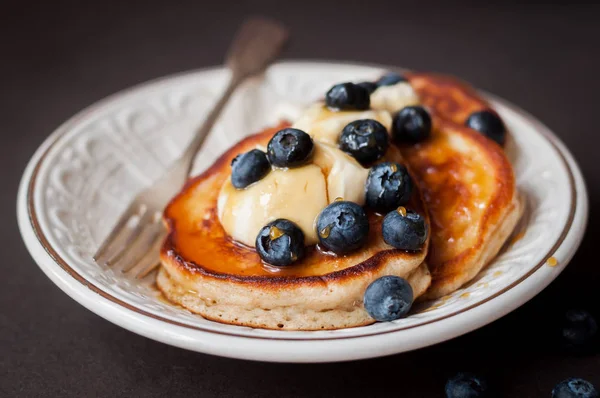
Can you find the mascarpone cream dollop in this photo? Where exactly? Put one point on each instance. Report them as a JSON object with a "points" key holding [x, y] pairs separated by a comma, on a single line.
{"points": [[299, 194], [393, 98]]}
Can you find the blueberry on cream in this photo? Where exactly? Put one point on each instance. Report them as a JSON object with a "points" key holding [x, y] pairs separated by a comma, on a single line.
{"points": [[389, 79], [388, 298], [280, 243], [289, 148], [325, 125], [412, 124], [348, 96], [249, 167], [388, 186], [489, 124], [366, 140], [342, 227], [404, 229]]}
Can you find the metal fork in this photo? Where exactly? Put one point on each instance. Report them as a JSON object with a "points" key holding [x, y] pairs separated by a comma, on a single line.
{"points": [[134, 242]]}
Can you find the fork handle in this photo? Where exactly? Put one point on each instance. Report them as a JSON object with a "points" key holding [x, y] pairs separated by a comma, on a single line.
{"points": [[255, 45], [192, 149]]}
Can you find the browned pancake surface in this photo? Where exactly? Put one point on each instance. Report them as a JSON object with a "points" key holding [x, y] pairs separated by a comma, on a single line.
{"points": [[448, 97], [467, 184]]}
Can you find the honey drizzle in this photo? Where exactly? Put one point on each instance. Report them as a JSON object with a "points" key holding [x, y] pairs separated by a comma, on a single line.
{"points": [[275, 232], [324, 233]]}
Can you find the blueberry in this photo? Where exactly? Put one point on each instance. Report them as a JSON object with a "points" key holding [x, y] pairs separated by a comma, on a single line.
{"points": [[404, 229], [369, 86], [280, 243], [412, 124], [574, 388], [348, 96], [389, 79], [249, 167], [489, 124], [466, 385], [342, 227], [366, 140], [289, 148], [388, 298], [388, 186], [579, 329]]}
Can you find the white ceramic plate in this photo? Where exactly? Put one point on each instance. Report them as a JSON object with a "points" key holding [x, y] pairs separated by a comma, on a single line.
{"points": [[85, 173]]}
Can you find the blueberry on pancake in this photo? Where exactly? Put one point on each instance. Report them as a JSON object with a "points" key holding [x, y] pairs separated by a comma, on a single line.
{"points": [[249, 167], [404, 229], [366, 140], [412, 124], [342, 227], [280, 243], [489, 124], [388, 186]]}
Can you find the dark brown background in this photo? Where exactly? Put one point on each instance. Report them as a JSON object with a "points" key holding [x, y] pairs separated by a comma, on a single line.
{"points": [[56, 59]]}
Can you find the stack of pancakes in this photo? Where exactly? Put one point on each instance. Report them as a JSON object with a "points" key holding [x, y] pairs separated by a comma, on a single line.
{"points": [[466, 187]]}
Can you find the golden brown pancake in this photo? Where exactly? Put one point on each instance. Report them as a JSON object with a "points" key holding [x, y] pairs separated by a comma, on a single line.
{"points": [[467, 183], [208, 273], [447, 97]]}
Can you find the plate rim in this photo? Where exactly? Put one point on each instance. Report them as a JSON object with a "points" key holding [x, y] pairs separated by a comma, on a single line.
{"points": [[28, 219]]}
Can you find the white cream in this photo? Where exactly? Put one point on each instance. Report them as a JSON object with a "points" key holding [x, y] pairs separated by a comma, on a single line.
{"points": [[393, 98], [345, 176], [297, 195]]}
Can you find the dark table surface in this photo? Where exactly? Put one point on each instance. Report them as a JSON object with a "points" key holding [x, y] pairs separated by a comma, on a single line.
{"points": [[59, 57]]}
